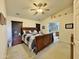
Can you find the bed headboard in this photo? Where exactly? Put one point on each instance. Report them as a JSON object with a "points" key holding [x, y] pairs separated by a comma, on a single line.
{"points": [[28, 28]]}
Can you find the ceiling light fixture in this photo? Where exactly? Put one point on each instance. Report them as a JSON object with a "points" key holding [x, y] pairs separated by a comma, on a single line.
{"points": [[40, 8]]}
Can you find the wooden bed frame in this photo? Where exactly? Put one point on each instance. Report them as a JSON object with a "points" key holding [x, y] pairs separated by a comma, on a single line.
{"points": [[28, 28], [41, 41]]}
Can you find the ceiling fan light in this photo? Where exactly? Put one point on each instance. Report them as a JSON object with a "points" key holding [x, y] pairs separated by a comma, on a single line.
{"points": [[40, 10], [40, 4]]}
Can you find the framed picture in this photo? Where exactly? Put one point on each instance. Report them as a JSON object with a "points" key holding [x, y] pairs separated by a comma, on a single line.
{"points": [[2, 19], [43, 27], [69, 26]]}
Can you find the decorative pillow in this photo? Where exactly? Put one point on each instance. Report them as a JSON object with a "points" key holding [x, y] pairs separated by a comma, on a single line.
{"points": [[30, 31], [35, 32], [24, 32]]}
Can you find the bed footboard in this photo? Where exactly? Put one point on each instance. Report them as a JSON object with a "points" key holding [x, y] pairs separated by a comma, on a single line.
{"points": [[43, 41]]}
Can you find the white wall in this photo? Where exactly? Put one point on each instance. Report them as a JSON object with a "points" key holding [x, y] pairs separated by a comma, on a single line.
{"points": [[76, 29], [26, 23], [3, 37], [63, 19], [64, 34]]}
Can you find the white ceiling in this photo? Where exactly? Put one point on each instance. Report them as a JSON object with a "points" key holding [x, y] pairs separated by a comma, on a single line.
{"points": [[23, 8]]}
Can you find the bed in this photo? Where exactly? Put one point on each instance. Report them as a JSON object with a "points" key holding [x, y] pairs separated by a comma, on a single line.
{"points": [[36, 41]]}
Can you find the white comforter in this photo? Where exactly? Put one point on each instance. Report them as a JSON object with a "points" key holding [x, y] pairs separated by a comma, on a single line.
{"points": [[32, 37]]}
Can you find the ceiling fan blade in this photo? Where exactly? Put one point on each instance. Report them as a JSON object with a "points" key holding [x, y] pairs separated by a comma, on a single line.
{"points": [[40, 5], [35, 4], [47, 9], [32, 9], [44, 4], [36, 13]]}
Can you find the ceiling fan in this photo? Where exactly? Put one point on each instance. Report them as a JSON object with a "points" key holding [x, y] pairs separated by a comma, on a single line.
{"points": [[40, 8]]}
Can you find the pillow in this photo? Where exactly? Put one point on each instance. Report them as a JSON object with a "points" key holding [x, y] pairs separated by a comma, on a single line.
{"points": [[35, 32], [30, 31], [24, 32], [40, 32]]}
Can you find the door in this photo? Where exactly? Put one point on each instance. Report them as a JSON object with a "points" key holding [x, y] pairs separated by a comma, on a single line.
{"points": [[16, 32], [38, 27]]}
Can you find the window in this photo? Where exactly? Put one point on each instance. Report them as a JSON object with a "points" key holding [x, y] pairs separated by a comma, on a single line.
{"points": [[54, 27]]}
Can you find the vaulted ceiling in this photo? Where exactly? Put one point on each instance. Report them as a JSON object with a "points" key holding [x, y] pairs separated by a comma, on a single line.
{"points": [[21, 8]]}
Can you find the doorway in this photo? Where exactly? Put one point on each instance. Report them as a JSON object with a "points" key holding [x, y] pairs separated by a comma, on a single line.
{"points": [[38, 27], [16, 32]]}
